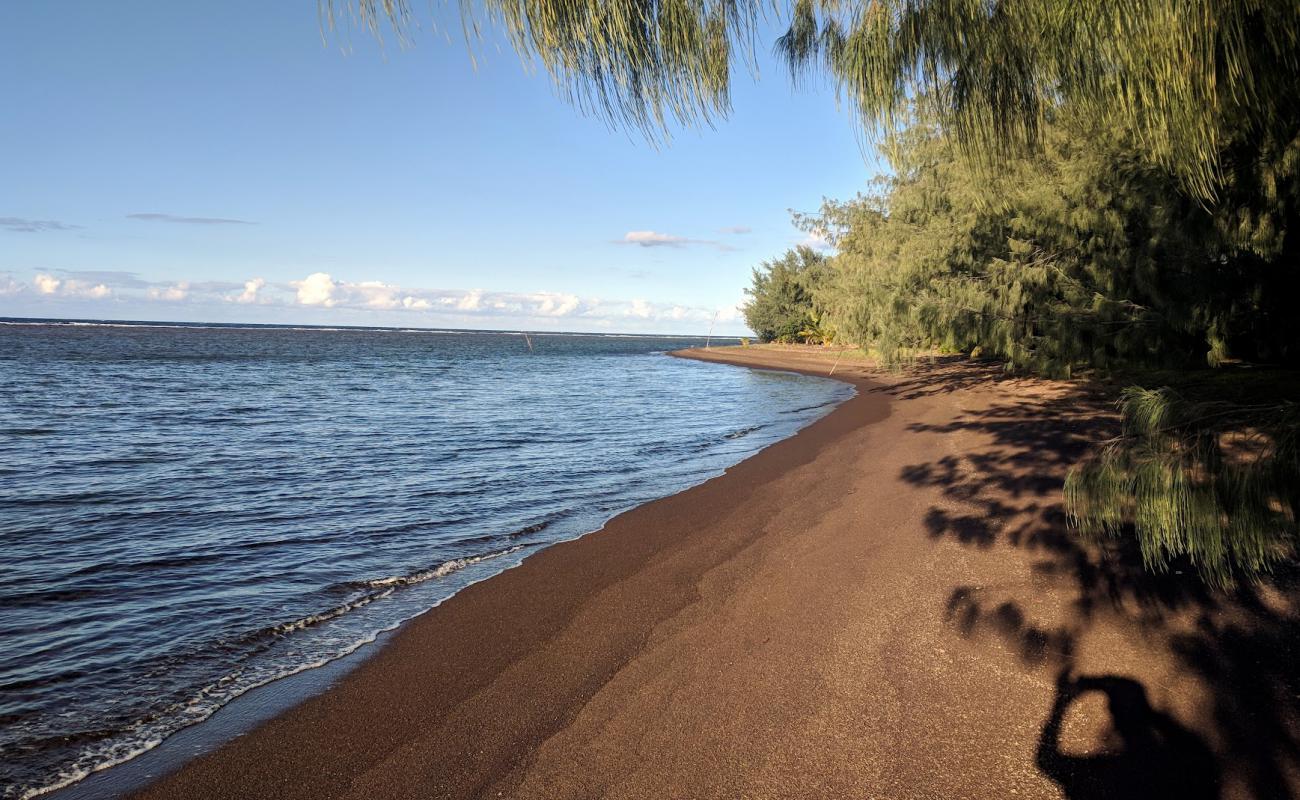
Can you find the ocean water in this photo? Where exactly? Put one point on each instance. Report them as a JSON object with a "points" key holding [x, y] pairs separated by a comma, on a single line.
{"points": [[189, 512]]}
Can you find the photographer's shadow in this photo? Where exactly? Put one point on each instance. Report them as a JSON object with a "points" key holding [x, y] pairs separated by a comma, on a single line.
{"points": [[1150, 755]]}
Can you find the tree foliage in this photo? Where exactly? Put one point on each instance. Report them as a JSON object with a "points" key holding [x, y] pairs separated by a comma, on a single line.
{"points": [[645, 64], [1080, 254], [780, 306], [1203, 84], [1193, 80], [1211, 481]]}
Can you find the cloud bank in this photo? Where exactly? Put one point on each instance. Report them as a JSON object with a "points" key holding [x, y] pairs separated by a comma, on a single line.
{"points": [[70, 287], [251, 288], [322, 294]]}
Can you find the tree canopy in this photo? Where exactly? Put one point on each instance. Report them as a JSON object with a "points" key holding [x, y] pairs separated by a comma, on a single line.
{"points": [[1077, 255], [780, 306]]}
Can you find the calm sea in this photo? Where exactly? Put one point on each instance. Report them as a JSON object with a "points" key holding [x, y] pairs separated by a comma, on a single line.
{"points": [[188, 512]]}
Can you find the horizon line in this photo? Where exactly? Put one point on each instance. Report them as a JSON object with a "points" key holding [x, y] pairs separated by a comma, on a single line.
{"points": [[108, 322]]}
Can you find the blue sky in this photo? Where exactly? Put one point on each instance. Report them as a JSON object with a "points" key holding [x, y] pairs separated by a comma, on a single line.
{"points": [[228, 162]]}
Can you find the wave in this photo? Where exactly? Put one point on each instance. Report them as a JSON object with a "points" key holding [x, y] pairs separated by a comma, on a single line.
{"points": [[536, 527], [743, 432], [440, 571], [832, 402], [147, 733]]}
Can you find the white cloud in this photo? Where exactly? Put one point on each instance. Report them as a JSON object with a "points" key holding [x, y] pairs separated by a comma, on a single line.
{"points": [[71, 287], [10, 286], [317, 289], [251, 288], [733, 313], [416, 303], [472, 301], [653, 239], [112, 278], [375, 294], [816, 239], [94, 291], [640, 308], [174, 293], [657, 239], [558, 305]]}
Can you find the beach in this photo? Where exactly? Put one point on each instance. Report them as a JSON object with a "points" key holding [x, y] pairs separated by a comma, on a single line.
{"points": [[887, 604]]}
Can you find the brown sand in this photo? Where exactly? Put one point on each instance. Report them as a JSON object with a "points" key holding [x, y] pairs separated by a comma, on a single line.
{"points": [[886, 605]]}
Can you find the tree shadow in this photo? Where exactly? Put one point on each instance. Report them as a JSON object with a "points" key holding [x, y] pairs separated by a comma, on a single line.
{"points": [[946, 375], [1001, 486]]}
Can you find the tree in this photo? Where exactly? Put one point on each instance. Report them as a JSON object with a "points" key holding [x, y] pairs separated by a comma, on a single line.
{"points": [[1075, 255], [780, 305]]}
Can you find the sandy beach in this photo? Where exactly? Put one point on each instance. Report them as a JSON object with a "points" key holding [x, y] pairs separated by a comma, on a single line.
{"points": [[887, 605]]}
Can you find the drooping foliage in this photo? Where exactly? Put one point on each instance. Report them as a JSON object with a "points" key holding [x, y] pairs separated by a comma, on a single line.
{"points": [[1211, 481], [645, 64], [1193, 80], [780, 306], [1203, 84]]}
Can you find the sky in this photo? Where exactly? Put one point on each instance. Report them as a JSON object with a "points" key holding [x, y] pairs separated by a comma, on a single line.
{"points": [[238, 162]]}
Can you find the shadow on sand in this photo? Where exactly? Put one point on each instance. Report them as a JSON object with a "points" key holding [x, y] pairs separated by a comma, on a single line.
{"points": [[1240, 646], [1148, 755]]}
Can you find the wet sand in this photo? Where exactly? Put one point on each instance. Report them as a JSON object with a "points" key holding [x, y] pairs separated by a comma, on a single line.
{"points": [[886, 605]]}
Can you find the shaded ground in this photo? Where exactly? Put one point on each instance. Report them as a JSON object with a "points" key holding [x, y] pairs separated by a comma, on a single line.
{"points": [[886, 605], [1230, 677]]}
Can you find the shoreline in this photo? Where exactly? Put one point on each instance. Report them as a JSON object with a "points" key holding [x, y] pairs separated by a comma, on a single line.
{"points": [[882, 604], [172, 766], [264, 702]]}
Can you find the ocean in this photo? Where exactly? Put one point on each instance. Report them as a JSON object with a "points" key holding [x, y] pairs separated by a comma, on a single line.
{"points": [[188, 512]]}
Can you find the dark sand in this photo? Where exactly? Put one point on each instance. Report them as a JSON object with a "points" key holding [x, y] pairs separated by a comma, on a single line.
{"points": [[886, 605]]}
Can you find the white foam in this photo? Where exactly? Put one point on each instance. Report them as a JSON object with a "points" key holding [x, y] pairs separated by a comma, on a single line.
{"points": [[442, 570], [145, 735]]}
